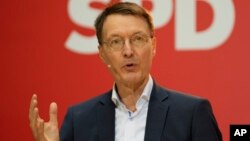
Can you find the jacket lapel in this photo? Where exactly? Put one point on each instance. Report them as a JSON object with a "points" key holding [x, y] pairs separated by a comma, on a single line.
{"points": [[106, 118], [157, 112]]}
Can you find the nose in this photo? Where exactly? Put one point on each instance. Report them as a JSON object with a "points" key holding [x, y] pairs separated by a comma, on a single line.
{"points": [[128, 50]]}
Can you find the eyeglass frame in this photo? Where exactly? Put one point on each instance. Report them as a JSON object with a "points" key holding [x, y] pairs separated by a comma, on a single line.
{"points": [[132, 39]]}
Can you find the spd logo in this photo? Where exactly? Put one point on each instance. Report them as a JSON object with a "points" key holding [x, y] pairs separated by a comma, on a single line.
{"points": [[83, 13]]}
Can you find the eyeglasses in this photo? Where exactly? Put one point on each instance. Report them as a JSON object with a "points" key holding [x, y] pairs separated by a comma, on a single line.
{"points": [[137, 40]]}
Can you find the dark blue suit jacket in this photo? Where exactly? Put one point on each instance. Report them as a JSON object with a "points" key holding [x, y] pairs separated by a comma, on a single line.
{"points": [[172, 116]]}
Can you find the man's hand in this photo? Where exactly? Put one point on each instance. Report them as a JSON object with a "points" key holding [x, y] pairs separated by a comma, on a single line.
{"points": [[43, 131]]}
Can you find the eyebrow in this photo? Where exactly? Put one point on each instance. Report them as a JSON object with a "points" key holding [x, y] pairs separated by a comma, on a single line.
{"points": [[117, 35]]}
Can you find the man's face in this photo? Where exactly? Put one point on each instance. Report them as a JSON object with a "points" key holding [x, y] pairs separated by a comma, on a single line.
{"points": [[130, 64]]}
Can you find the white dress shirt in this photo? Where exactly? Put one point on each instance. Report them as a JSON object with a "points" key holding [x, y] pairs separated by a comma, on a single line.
{"points": [[130, 126]]}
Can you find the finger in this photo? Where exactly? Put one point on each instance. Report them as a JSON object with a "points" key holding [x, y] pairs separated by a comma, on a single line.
{"points": [[53, 113], [40, 130], [33, 103], [35, 122], [33, 112]]}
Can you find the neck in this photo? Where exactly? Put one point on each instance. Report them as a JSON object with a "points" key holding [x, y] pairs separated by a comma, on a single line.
{"points": [[130, 93]]}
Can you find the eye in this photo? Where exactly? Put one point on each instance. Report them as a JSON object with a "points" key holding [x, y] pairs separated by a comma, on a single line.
{"points": [[115, 41], [138, 38]]}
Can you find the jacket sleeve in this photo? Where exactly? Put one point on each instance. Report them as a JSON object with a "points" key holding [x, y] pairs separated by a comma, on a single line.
{"points": [[204, 125], [66, 131]]}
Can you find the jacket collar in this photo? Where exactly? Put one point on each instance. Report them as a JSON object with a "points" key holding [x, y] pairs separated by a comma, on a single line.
{"points": [[106, 118], [157, 112]]}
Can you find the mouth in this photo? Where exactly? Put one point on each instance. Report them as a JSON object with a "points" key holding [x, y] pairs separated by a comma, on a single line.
{"points": [[130, 66]]}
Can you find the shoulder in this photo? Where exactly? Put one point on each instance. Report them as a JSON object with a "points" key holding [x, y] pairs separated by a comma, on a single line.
{"points": [[182, 100], [189, 114], [91, 104], [186, 105]]}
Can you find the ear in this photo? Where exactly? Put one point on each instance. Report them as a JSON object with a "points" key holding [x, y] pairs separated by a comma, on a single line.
{"points": [[154, 45], [102, 54]]}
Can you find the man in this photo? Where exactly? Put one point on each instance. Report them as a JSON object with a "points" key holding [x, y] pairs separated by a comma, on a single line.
{"points": [[136, 109]]}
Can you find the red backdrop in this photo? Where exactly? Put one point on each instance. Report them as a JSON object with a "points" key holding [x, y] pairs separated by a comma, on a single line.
{"points": [[38, 56]]}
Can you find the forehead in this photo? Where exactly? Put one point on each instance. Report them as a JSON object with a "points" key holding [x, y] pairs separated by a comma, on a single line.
{"points": [[124, 25]]}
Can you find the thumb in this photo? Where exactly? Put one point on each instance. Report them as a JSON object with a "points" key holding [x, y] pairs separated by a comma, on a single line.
{"points": [[53, 113]]}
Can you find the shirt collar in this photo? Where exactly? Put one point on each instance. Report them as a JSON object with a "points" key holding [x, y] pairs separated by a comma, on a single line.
{"points": [[146, 93]]}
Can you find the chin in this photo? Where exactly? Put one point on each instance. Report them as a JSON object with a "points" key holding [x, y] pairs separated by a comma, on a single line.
{"points": [[133, 78]]}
